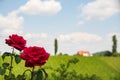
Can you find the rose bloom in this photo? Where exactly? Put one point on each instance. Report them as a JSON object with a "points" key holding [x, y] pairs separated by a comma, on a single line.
{"points": [[16, 41], [34, 56]]}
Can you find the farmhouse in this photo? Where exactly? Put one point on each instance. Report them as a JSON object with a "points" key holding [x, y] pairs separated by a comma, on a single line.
{"points": [[83, 53]]}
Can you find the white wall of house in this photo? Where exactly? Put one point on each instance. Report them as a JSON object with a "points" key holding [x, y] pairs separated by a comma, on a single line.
{"points": [[85, 54]]}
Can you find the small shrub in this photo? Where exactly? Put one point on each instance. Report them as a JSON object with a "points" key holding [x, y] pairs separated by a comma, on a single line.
{"points": [[62, 73], [103, 53], [117, 77]]}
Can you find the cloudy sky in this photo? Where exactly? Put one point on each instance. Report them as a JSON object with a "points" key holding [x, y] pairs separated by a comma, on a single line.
{"points": [[77, 24]]}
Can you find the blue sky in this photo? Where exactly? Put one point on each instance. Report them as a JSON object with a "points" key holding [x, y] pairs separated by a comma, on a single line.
{"points": [[77, 24]]}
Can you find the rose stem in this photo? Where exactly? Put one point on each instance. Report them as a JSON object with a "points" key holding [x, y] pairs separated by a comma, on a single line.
{"points": [[10, 72], [32, 73]]}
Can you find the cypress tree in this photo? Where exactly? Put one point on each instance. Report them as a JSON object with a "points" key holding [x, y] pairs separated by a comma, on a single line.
{"points": [[114, 47], [55, 46]]}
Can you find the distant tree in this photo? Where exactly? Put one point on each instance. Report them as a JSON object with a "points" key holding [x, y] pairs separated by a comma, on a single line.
{"points": [[114, 46], [103, 53], [55, 46]]}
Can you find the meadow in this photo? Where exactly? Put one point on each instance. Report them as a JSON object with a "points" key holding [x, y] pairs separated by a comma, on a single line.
{"points": [[104, 67]]}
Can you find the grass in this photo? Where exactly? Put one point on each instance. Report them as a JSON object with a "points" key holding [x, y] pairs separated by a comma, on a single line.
{"points": [[104, 67]]}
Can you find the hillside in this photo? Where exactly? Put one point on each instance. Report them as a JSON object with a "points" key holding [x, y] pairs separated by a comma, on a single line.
{"points": [[104, 67]]}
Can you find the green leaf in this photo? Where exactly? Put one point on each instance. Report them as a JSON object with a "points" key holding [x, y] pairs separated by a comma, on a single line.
{"points": [[39, 75], [21, 77], [17, 58], [5, 54], [5, 65], [6, 77], [12, 77], [2, 71], [45, 73], [74, 60], [62, 66], [9, 77]]}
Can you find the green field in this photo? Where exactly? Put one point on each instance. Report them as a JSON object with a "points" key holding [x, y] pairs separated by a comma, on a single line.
{"points": [[104, 67]]}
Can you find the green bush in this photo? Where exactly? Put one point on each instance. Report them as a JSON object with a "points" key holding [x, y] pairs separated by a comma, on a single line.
{"points": [[116, 54], [103, 53], [62, 73], [117, 77]]}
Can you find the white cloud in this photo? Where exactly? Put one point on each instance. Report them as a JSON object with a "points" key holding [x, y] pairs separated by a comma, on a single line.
{"points": [[80, 37], [80, 23], [100, 9], [40, 39], [46, 7], [11, 24], [8, 25], [69, 43], [36, 35], [36, 38]]}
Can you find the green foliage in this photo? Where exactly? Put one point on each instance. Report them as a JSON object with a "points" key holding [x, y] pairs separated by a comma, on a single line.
{"points": [[40, 74], [114, 47], [103, 67], [6, 54], [9, 66], [9, 77], [55, 46], [62, 70], [116, 77], [5, 65], [2, 71], [108, 53], [17, 58], [20, 77], [64, 74], [103, 53], [116, 54]]}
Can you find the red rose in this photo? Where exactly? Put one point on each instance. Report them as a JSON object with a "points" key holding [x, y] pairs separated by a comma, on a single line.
{"points": [[16, 41], [34, 56]]}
